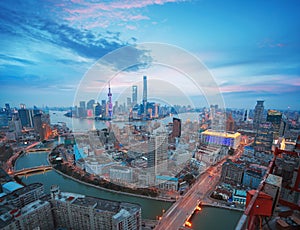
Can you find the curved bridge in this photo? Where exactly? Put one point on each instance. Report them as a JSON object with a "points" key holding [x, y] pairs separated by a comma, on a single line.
{"points": [[26, 171]]}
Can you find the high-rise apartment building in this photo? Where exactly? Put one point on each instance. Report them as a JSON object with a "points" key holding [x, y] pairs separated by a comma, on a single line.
{"points": [[229, 123], [275, 117], [264, 138], [258, 114], [75, 211], [35, 210], [35, 215], [26, 117], [41, 123], [3, 118], [232, 172], [176, 130], [158, 152]]}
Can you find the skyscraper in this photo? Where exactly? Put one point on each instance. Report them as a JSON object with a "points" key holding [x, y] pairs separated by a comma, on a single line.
{"points": [[26, 116], [42, 125], [3, 118], [258, 114], [145, 89], [110, 105], [82, 104], [145, 95], [176, 131], [82, 109], [275, 117], [158, 152], [229, 123], [129, 104], [134, 95], [90, 104], [246, 115]]}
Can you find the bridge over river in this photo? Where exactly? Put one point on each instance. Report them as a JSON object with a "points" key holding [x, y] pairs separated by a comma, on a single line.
{"points": [[22, 172]]}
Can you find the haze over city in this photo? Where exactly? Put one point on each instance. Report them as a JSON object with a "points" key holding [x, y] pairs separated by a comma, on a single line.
{"points": [[250, 48]]}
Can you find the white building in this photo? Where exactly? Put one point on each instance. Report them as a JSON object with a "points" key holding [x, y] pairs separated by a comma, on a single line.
{"points": [[76, 211], [121, 174]]}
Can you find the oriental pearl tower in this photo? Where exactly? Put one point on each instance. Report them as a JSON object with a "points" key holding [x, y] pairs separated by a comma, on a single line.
{"points": [[110, 105]]}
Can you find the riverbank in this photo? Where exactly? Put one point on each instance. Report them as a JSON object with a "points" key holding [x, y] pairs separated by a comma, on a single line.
{"points": [[223, 206], [111, 190], [100, 187]]}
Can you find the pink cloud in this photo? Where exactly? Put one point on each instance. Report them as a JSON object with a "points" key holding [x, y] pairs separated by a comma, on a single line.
{"points": [[269, 43], [274, 84], [83, 12], [245, 88], [131, 27]]}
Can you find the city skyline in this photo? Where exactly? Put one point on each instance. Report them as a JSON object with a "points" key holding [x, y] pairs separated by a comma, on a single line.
{"points": [[251, 49]]}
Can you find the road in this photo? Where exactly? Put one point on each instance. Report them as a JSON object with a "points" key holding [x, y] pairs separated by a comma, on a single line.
{"points": [[176, 216]]}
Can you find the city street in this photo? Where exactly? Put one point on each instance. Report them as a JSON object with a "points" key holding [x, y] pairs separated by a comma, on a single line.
{"points": [[176, 216]]}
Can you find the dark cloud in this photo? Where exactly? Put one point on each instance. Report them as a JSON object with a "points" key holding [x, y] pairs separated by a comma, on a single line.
{"points": [[85, 43]]}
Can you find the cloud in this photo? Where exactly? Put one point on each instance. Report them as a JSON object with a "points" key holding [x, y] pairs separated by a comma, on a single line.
{"points": [[6, 59], [37, 28], [41, 40], [269, 43], [102, 14]]}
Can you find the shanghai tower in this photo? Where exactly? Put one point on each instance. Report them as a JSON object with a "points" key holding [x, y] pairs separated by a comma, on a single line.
{"points": [[145, 95]]}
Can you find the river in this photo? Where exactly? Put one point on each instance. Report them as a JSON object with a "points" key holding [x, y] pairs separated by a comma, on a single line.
{"points": [[208, 218], [151, 208]]}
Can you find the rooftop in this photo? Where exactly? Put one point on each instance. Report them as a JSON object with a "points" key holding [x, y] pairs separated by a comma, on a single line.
{"points": [[221, 134], [96, 203], [24, 190], [167, 178], [12, 186], [241, 193]]}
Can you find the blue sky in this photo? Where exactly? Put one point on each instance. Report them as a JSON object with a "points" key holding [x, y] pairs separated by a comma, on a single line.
{"points": [[252, 48]]}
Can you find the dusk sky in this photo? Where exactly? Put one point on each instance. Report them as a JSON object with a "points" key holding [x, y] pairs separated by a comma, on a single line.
{"points": [[251, 48]]}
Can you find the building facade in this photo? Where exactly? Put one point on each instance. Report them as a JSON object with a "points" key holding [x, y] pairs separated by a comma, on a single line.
{"points": [[74, 211], [258, 114], [221, 138], [232, 172]]}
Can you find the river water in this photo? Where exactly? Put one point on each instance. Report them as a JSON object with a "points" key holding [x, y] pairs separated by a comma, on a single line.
{"points": [[208, 218]]}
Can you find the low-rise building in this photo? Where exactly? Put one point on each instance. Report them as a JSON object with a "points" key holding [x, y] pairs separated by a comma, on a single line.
{"points": [[167, 183], [232, 172], [121, 174], [239, 196]]}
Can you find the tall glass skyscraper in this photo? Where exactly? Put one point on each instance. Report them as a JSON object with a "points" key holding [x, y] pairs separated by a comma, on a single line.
{"points": [[145, 95], [145, 90], [258, 114], [134, 95]]}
